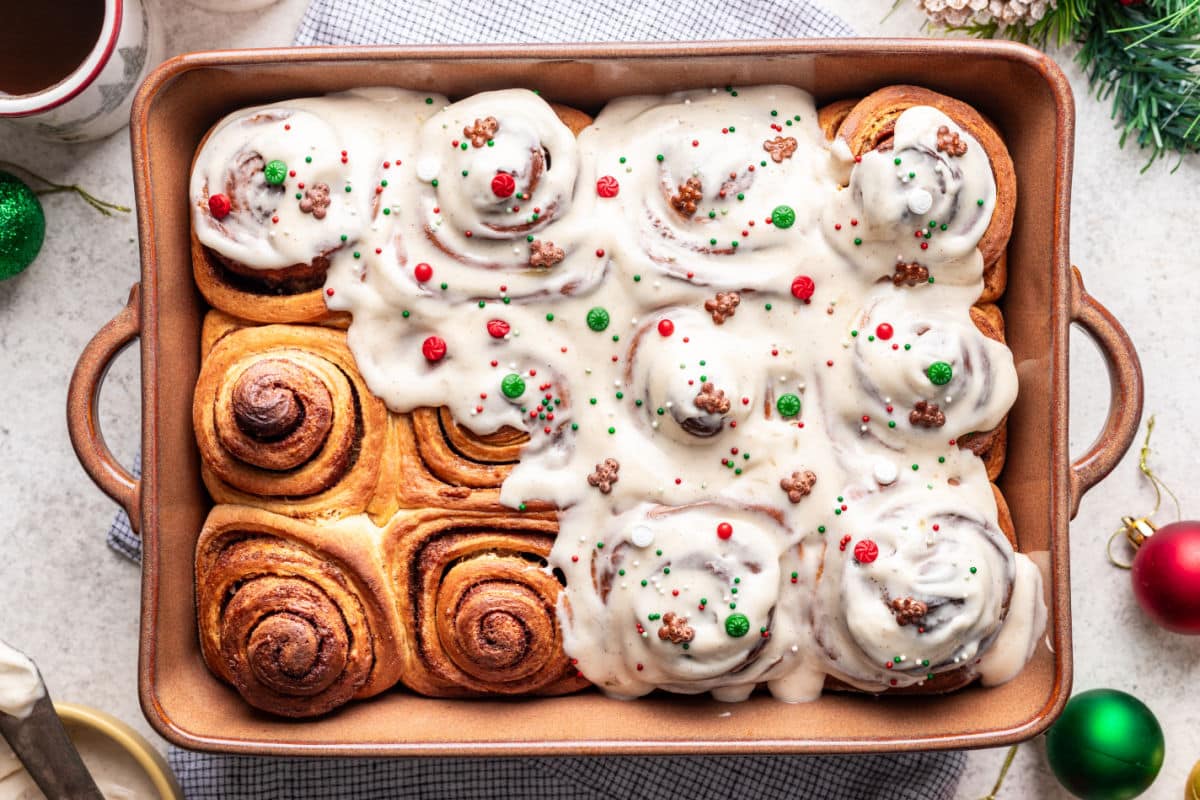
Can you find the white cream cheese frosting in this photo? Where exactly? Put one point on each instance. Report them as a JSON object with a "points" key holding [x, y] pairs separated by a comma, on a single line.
{"points": [[20, 685], [697, 288]]}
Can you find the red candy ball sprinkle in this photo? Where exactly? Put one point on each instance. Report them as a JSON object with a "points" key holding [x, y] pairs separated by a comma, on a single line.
{"points": [[666, 327], [498, 328], [866, 551], [607, 186], [803, 287], [884, 331], [423, 272], [219, 205], [434, 348], [503, 185], [724, 530]]}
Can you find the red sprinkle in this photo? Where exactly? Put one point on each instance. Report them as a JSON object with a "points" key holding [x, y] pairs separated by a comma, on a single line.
{"points": [[884, 331], [434, 348], [498, 328], [423, 272], [329, 291], [724, 530], [607, 186], [666, 327], [219, 205], [866, 551], [803, 288], [503, 185], [600, 253]]}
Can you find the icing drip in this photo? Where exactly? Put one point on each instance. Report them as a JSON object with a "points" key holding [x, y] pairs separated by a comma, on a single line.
{"points": [[598, 317]]}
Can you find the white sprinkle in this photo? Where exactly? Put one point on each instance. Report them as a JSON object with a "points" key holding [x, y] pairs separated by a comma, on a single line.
{"points": [[885, 472], [919, 201], [427, 168], [642, 535]]}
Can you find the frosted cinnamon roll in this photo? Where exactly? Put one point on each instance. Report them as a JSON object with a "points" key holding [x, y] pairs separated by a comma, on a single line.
{"points": [[297, 617], [478, 602], [919, 591], [925, 195], [717, 188], [689, 599], [284, 421], [922, 375]]}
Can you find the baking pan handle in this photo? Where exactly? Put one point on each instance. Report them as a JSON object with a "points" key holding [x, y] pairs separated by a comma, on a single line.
{"points": [[1125, 383], [82, 398]]}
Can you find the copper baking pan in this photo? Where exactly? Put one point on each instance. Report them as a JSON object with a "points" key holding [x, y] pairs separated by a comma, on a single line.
{"points": [[1019, 88]]}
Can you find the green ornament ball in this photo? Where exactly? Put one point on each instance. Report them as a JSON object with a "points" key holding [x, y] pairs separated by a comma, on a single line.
{"points": [[276, 172], [22, 226], [737, 625], [939, 373], [783, 217], [512, 385], [597, 318], [1107, 745]]}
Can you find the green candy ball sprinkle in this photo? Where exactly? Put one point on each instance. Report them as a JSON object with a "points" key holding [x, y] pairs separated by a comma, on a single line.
{"points": [[513, 386], [783, 217], [275, 172], [737, 625], [597, 319], [788, 405], [939, 373]]}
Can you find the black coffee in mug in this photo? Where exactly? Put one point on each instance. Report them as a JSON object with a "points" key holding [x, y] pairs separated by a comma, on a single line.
{"points": [[44, 41]]}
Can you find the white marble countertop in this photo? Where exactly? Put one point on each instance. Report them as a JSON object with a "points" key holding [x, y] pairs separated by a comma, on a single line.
{"points": [[73, 605]]}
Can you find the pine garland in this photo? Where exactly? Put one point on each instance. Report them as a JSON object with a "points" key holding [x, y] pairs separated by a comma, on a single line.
{"points": [[1143, 56]]}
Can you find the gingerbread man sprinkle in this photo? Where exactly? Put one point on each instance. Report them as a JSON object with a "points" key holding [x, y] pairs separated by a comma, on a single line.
{"points": [[908, 610], [721, 307], [675, 629], [926, 415], [712, 399], [605, 475], [544, 254], [780, 147], [799, 485], [689, 195], [910, 274], [316, 200], [483, 130], [949, 142]]}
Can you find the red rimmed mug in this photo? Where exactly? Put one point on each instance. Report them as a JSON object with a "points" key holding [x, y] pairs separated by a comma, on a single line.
{"points": [[69, 70]]}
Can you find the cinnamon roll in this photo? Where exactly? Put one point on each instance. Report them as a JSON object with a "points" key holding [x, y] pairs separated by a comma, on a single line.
{"points": [[920, 591], [297, 617], [690, 599], [933, 183], [477, 601], [831, 116], [284, 421]]}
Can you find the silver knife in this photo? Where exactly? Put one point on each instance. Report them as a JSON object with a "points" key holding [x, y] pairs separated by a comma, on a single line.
{"points": [[41, 743]]}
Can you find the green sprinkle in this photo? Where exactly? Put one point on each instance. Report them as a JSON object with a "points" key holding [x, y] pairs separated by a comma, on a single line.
{"points": [[383, 183], [896, 160], [644, 581], [405, 314], [620, 572], [308, 159], [357, 254], [774, 113], [344, 237], [941, 459], [592, 400], [620, 395], [464, 145], [512, 385], [737, 625], [445, 286], [783, 217], [621, 159], [434, 183], [521, 507], [387, 212], [666, 570], [599, 545], [741, 195], [891, 423], [597, 318], [348, 189], [275, 172], [550, 318], [939, 373], [915, 467], [612, 430], [820, 529], [767, 306], [637, 278], [428, 101], [659, 156], [661, 411], [973, 570], [979, 202], [788, 405], [574, 426], [857, 241]]}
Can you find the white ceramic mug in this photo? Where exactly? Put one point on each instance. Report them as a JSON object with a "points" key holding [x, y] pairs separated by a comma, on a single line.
{"points": [[93, 101]]}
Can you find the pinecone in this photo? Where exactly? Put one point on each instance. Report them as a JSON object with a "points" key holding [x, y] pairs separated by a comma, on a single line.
{"points": [[956, 13]]}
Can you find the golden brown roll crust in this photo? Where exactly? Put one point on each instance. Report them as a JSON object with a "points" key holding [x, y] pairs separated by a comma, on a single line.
{"points": [[831, 116], [871, 124], [297, 617], [284, 421], [478, 604]]}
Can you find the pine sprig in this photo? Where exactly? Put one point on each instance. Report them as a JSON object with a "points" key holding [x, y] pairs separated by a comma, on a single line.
{"points": [[1143, 57]]}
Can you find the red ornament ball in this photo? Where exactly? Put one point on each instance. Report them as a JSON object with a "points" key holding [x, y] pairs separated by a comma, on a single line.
{"points": [[422, 272], [884, 331], [219, 205], [666, 327], [503, 185], [803, 287], [866, 551], [498, 328], [1166, 576], [434, 348], [724, 531], [607, 186]]}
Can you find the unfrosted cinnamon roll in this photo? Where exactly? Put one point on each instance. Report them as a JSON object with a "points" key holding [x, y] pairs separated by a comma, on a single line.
{"points": [[691, 599], [284, 421], [919, 592], [477, 600], [831, 116], [297, 617]]}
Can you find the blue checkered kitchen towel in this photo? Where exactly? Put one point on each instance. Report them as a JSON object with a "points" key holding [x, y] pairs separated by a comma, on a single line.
{"points": [[921, 776]]}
